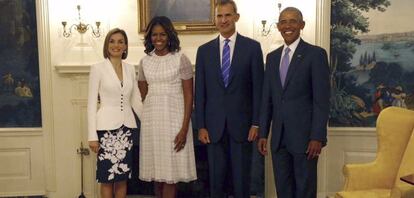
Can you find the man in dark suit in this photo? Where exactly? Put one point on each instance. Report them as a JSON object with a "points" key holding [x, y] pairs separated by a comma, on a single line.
{"points": [[296, 101], [229, 77]]}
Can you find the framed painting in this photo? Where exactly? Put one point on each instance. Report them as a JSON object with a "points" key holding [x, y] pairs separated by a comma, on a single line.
{"points": [[188, 16], [19, 65], [372, 56]]}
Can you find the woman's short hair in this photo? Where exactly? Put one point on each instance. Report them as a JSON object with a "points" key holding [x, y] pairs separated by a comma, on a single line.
{"points": [[106, 43], [173, 41]]}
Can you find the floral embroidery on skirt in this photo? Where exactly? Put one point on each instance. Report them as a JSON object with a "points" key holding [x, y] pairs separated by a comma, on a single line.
{"points": [[115, 155]]}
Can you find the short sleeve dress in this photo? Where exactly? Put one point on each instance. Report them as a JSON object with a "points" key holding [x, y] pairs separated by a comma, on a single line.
{"points": [[162, 118]]}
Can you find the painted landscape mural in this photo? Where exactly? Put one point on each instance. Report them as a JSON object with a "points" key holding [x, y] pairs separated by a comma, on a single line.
{"points": [[19, 65], [372, 59]]}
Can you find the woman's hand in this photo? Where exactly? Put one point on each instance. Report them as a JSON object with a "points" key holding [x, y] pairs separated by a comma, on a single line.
{"points": [[180, 140], [94, 146]]}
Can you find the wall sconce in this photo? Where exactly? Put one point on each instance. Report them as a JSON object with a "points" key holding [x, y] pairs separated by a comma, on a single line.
{"points": [[81, 27], [266, 31]]}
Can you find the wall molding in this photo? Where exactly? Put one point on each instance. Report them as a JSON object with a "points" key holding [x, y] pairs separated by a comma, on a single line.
{"points": [[323, 20], [72, 69], [45, 74], [352, 131], [20, 132], [322, 25], [27, 193], [19, 164]]}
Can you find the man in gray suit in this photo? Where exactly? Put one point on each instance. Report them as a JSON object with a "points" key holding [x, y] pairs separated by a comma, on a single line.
{"points": [[296, 101]]}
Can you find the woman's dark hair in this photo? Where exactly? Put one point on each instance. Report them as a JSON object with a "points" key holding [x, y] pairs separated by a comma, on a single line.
{"points": [[106, 43], [166, 24]]}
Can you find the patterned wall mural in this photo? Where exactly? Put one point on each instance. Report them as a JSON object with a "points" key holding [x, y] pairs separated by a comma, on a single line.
{"points": [[372, 59], [19, 65]]}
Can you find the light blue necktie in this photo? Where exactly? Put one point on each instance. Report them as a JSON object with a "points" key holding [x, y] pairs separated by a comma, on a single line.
{"points": [[284, 66], [225, 62]]}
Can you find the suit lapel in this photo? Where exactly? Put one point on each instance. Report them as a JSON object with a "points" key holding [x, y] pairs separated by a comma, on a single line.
{"points": [[124, 76], [113, 75], [295, 62], [215, 51], [237, 53], [277, 67]]}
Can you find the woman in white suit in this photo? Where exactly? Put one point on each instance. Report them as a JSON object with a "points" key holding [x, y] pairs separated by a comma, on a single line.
{"points": [[110, 128]]}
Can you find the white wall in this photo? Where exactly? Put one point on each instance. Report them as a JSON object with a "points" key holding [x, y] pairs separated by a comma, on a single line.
{"points": [[86, 50], [50, 152]]}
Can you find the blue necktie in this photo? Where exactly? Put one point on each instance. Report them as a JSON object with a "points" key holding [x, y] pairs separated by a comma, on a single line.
{"points": [[284, 66], [225, 62]]}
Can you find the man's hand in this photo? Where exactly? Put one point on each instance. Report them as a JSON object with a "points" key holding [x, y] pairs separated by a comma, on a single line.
{"points": [[314, 149], [203, 136], [94, 146], [253, 133], [262, 146]]}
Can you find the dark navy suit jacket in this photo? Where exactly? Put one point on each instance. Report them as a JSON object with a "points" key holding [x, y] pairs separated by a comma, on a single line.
{"points": [[236, 105], [302, 106]]}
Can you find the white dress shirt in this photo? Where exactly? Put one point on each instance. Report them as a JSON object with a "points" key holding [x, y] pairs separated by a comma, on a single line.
{"points": [[232, 42], [292, 48]]}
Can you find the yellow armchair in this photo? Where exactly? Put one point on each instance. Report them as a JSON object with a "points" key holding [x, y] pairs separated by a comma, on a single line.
{"points": [[402, 189], [380, 178]]}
